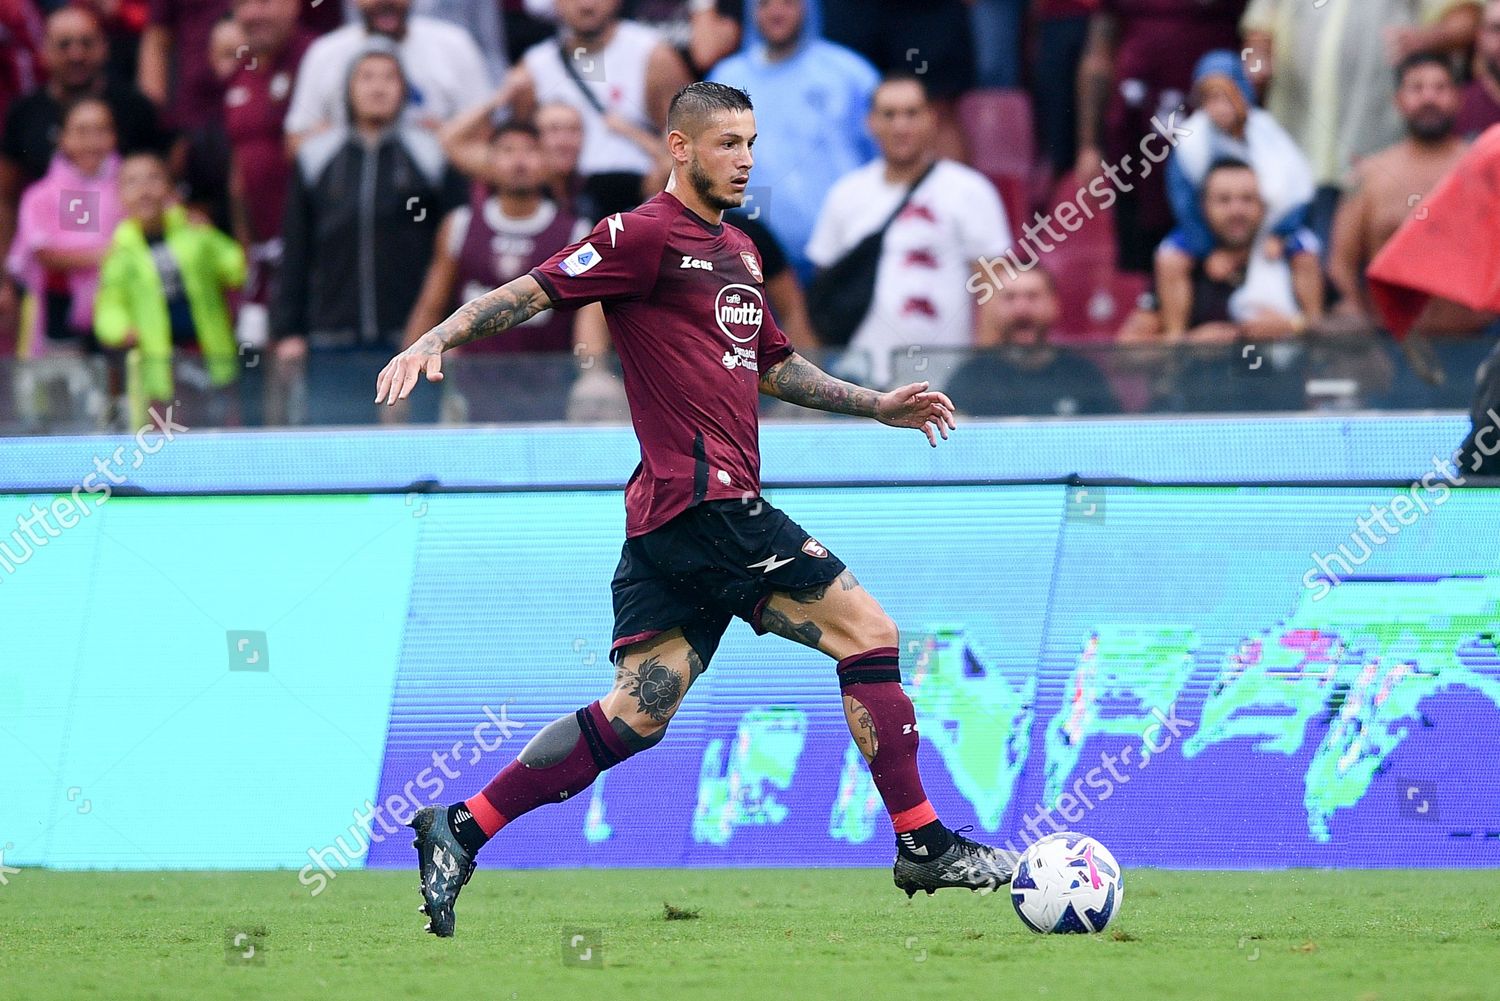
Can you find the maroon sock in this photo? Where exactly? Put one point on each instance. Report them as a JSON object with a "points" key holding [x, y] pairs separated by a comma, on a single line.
{"points": [[874, 678], [521, 788]]}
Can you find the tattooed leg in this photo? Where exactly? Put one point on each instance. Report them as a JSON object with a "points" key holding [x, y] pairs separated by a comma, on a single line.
{"points": [[570, 753], [861, 727], [844, 621], [650, 682], [839, 618]]}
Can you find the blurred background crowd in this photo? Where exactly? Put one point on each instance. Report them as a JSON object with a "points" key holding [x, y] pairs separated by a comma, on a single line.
{"points": [[242, 207]]}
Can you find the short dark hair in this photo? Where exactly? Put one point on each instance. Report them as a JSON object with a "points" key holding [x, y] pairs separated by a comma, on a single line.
{"points": [[515, 127], [1420, 59], [1221, 164], [691, 106]]}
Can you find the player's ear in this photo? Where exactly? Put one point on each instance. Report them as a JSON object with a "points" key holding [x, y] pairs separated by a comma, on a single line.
{"points": [[677, 145]]}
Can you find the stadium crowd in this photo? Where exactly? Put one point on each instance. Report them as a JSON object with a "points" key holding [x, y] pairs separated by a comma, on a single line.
{"points": [[1087, 206]]}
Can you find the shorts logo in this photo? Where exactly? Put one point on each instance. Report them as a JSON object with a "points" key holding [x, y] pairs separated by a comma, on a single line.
{"points": [[772, 562], [751, 266], [579, 261], [813, 547]]}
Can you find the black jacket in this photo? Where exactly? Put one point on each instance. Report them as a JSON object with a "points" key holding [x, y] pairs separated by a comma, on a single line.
{"points": [[361, 222]]}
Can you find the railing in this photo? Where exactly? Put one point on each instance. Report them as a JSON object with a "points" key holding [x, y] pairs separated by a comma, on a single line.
{"points": [[66, 395]]}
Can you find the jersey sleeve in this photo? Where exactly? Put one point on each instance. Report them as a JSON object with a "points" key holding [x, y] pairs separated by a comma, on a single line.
{"points": [[617, 261], [772, 346]]}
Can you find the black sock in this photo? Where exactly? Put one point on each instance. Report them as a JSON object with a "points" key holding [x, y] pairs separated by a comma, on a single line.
{"points": [[925, 843], [465, 828]]}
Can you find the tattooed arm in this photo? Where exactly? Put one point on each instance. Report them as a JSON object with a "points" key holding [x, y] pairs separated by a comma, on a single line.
{"points": [[797, 380], [508, 306]]}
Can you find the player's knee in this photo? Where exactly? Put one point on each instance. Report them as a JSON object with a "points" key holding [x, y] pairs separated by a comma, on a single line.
{"points": [[639, 726]]}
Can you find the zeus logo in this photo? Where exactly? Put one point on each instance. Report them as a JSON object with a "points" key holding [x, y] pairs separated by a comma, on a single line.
{"points": [[739, 311], [616, 225]]}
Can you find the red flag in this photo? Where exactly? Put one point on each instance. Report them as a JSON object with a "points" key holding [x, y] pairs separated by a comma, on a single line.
{"points": [[1449, 247]]}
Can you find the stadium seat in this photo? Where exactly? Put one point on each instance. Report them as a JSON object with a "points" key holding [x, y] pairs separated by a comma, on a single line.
{"points": [[998, 126]]}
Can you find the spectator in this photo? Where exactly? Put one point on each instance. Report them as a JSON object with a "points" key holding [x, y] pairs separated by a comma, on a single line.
{"points": [[702, 31], [1330, 77], [179, 29], [1259, 297], [447, 74], [63, 229], [1135, 74], [1481, 107], [74, 53], [813, 98], [1227, 125], [1390, 185], [201, 159], [362, 213], [1062, 29], [560, 127], [621, 76], [173, 69], [123, 22], [1018, 373], [255, 104], [482, 247], [932, 40], [163, 291], [1241, 324], [954, 217]]}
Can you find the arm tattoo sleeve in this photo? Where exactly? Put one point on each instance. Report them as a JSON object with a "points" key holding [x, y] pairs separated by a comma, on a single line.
{"points": [[510, 305], [797, 380]]}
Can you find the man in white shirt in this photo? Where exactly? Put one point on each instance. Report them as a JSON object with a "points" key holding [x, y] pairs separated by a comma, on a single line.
{"points": [[953, 219], [620, 76], [447, 74]]}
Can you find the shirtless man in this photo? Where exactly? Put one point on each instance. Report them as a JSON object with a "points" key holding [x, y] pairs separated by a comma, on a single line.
{"points": [[1390, 186]]}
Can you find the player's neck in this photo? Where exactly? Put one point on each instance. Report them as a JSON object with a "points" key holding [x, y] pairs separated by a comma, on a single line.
{"points": [[685, 194]]}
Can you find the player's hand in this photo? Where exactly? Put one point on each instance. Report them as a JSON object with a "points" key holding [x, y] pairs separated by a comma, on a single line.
{"points": [[400, 375], [914, 407]]}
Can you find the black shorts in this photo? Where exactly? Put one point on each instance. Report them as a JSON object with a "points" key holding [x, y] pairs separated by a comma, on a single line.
{"points": [[715, 561]]}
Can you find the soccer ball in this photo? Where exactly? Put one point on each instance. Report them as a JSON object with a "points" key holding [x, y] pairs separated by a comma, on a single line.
{"points": [[1067, 883]]}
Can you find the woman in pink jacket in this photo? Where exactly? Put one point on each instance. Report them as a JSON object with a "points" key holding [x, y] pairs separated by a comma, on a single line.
{"points": [[63, 230]]}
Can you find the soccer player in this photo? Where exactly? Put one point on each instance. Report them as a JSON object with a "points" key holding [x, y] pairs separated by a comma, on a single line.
{"points": [[683, 296]]}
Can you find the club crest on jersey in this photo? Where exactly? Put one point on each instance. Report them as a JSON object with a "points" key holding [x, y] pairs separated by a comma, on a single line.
{"points": [[751, 266], [813, 547], [579, 261]]}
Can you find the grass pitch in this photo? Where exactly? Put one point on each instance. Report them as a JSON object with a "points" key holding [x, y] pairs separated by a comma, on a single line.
{"points": [[744, 934]]}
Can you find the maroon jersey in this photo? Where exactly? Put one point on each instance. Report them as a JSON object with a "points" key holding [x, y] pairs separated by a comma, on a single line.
{"points": [[493, 248], [255, 104], [686, 307]]}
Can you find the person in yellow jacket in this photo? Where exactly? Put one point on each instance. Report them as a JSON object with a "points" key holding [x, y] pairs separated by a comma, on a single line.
{"points": [[162, 289]]}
